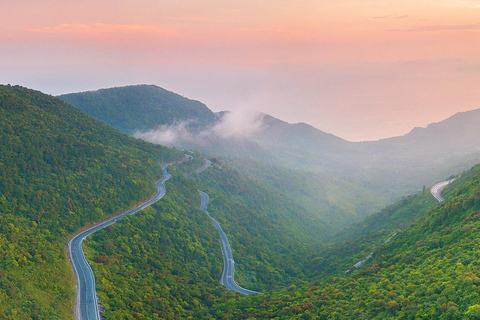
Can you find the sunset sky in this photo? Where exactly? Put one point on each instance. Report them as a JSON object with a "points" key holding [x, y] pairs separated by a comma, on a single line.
{"points": [[360, 69]]}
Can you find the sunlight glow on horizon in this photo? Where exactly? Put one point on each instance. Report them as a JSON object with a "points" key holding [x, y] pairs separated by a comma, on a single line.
{"points": [[361, 70]]}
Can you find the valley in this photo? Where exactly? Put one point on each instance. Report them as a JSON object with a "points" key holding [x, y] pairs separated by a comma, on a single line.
{"points": [[240, 160], [293, 230]]}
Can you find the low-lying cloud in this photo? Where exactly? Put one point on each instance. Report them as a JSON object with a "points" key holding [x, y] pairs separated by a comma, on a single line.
{"points": [[239, 124], [231, 125]]}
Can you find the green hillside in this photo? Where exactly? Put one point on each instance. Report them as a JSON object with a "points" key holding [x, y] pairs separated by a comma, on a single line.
{"points": [[333, 202], [62, 170], [167, 259], [140, 107], [59, 171], [430, 270], [269, 234], [160, 263], [353, 244], [389, 168]]}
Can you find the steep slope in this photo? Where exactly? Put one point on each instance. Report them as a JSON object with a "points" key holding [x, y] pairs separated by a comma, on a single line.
{"points": [[140, 107], [165, 262], [430, 270], [161, 263], [277, 142], [329, 199], [353, 244], [62, 170], [270, 233], [59, 170]]}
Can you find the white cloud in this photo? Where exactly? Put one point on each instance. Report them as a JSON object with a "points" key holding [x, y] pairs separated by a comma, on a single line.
{"points": [[232, 125], [169, 135], [239, 124]]}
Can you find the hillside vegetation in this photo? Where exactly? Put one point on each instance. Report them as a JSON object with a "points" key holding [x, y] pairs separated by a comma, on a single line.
{"points": [[59, 171], [332, 201], [62, 170], [389, 168], [165, 261], [418, 273], [162, 262], [121, 107], [430, 270], [269, 235]]}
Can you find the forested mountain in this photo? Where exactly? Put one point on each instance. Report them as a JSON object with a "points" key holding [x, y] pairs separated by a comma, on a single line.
{"points": [[59, 171], [121, 107], [331, 200], [391, 167], [62, 170], [165, 262], [430, 269]]}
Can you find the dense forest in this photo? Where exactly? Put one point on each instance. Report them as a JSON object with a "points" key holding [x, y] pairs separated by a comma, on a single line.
{"points": [[174, 247], [162, 262], [60, 170], [430, 270], [121, 107], [333, 202], [431, 255], [269, 234]]}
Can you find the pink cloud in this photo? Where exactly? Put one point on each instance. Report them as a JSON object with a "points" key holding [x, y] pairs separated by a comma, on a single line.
{"points": [[433, 28], [106, 33]]}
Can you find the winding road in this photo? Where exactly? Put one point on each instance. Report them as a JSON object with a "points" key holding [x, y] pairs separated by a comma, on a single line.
{"points": [[86, 305], [207, 164], [226, 279], [436, 189]]}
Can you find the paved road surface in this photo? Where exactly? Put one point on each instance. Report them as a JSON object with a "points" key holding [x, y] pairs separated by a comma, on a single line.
{"points": [[86, 305], [226, 279], [205, 166], [437, 189]]}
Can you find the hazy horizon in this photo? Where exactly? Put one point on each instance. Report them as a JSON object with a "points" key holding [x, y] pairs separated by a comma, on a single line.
{"points": [[240, 123], [361, 70]]}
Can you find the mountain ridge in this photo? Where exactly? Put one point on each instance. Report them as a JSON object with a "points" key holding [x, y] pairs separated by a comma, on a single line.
{"points": [[61, 169], [132, 98], [395, 166]]}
